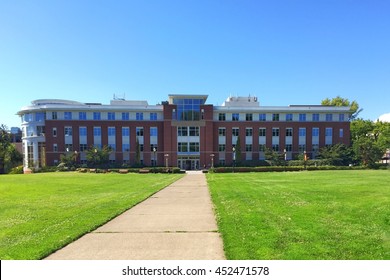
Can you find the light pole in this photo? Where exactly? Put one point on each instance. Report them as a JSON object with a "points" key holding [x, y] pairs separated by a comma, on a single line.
{"points": [[166, 160], [154, 158], [234, 157], [212, 160], [304, 158], [285, 159]]}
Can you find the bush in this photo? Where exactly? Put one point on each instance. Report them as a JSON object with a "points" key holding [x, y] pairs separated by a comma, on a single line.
{"points": [[17, 170]]}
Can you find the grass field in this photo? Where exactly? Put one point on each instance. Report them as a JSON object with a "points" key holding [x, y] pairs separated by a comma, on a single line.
{"points": [[327, 215], [40, 213]]}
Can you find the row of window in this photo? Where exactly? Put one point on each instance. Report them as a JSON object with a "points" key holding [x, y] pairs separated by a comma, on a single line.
{"points": [[274, 147], [112, 116], [84, 147], [276, 131], [188, 131], [276, 117], [97, 131]]}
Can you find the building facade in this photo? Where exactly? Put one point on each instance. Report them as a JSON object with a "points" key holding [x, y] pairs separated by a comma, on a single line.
{"points": [[184, 131]]}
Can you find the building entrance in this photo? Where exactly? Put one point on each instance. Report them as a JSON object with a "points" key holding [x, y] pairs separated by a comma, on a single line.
{"points": [[188, 163]]}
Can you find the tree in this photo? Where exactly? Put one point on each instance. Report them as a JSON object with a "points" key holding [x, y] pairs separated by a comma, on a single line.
{"points": [[137, 153], [274, 157], [238, 151], [338, 154], [339, 101], [9, 156], [98, 157]]}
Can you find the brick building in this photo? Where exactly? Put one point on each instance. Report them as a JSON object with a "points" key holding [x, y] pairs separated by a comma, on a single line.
{"points": [[184, 131]]}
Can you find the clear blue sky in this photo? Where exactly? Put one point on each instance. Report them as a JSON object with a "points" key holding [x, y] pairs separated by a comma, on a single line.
{"points": [[284, 52]]}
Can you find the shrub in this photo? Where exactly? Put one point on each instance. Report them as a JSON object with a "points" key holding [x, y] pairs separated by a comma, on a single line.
{"points": [[17, 170]]}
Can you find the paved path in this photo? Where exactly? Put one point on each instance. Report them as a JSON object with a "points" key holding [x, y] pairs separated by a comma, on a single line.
{"points": [[176, 223]]}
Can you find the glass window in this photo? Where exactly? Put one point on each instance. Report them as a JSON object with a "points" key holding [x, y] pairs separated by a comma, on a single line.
{"points": [[221, 131], [112, 146], [82, 116], [275, 131], [302, 131], [40, 116], [153, 131], [97, 131], [111, 131], [83, 147], [329, 117], [111, 116], [262, 148], [222, 117], [248, 117], [53, 115], [125, 147], [82, 131], [275, 147], [69, 147], [54, 132], [316, 117], [182, 131], [125, 131], [235, 117], [288, 147], [315, 131], [302, 117], [328, 131], [139, 131], [289, 117], [96, 116], [235, 131], [153, 116], [188, 109], [262, 131], [139, 116], [341, 117], [341, 133], [221, 148], [248, 131], [262, 117], [182, 147], [248, 148], [68, 131], [194, 147], [275, 117], [125, 116], [55, 148], [67, 115], [301, 148], [289, 131], [194, 131]]}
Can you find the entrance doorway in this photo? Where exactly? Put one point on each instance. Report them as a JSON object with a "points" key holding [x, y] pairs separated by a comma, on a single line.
{"points": [[188, 163]]}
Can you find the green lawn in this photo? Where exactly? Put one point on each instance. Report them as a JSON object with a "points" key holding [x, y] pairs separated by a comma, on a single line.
{"points": [[40, 213], [304, 215]]}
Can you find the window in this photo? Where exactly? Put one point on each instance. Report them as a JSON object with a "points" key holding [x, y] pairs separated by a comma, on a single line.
{"points": [[125, 116], [53, 115], [152, 147], [125, 131], [289, 131], [235, 131], [315, 148], [69, 147], [275, 117], [194, 147], [82, 116], [194, 131], [328, 131], [262, 117], [302, 117], [341, 117], [40, 130], [40, 116], [82, 131], [55, 148], [111, 131], [262, 148], [68, 131], [329, 117], [222, 117], [96, 116], [182, 147], [67, 115], [248, 117], [235, 117], [111, 116], [289, 117], [315, 131], [141, 147], [248, 131], [139, 131], [139, 116], [248, 148], [54, 132], [275, 131], [316, 117], [262, 131], [221, 131], [288, 147], [83, 147], [301, 148], [125, 147], [153, 116], [221, 148], [182, 131], [153, 131], [275, 147], [97, 131], [112, 146], [341, 133], [302, 131]]}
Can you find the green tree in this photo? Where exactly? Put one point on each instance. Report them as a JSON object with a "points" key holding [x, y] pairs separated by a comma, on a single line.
{"points": [[338, 154], [137, 153], [339, 101], [98, 157], [238, 151], [9, 156], [274, 157]]}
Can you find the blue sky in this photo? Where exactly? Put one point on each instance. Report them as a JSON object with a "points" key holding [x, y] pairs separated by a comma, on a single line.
{"points": [[284, 52]]}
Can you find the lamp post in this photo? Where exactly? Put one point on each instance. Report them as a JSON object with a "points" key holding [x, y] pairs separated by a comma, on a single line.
{"points": [[166, 160], [212, 160], [154, 158], [304, 158], [75, 156], [285, 159], [234, 157]]}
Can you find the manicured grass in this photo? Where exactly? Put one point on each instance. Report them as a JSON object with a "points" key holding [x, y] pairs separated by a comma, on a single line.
{"points": [[40, 213], [304, 215]]}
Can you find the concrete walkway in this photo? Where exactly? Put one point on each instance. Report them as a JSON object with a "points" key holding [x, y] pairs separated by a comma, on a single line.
{"points": [[176, 223]]}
